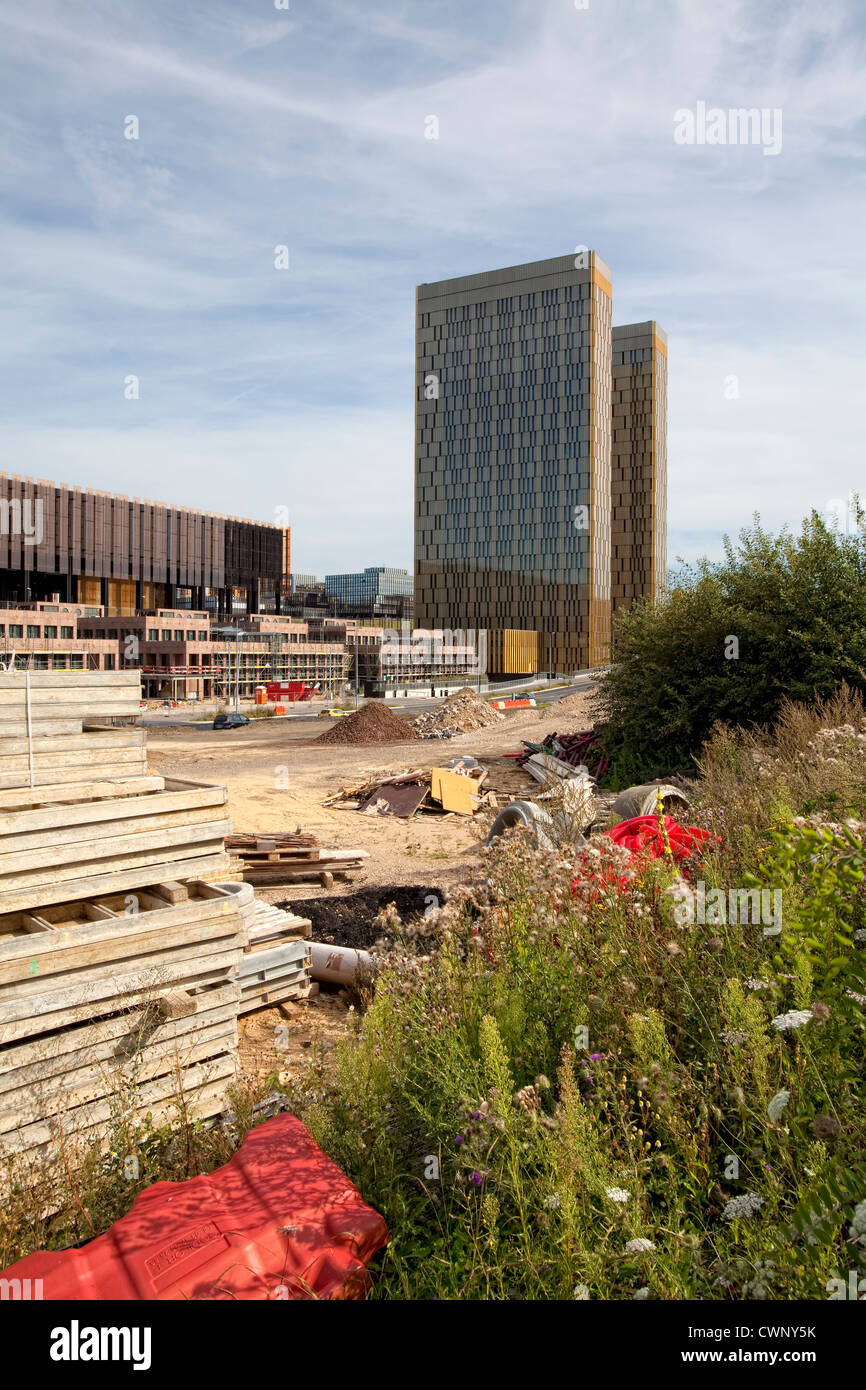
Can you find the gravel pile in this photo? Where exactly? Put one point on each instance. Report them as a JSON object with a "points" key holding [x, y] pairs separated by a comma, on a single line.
{"points": [[462, 713], [373, 723]]}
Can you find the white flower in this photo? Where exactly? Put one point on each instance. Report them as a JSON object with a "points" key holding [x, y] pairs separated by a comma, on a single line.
{"points": [[746, 1205], [795, 1019], [776, 1108], [733, 1036], [753, 983], [617, 1194], [858, 1223], [642, 1293], [552, 1202], [639, 1246], [581, 1291]]}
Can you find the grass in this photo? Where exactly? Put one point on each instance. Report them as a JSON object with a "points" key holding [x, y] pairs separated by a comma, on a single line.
{"points": [[593, 1085], [578, 1095]]}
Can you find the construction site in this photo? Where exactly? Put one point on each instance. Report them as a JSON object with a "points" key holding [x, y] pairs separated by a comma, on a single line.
{"points": [[181, 907]]}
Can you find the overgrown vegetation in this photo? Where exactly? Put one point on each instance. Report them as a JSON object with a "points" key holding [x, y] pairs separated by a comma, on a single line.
{"points": [[782, 617], [602, 1084]]}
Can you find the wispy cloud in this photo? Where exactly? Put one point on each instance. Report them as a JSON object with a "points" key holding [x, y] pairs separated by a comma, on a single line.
{"points": [[260, 127]]}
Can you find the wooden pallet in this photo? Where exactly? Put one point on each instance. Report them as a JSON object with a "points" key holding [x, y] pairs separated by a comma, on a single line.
{"points": [[53, 852]]}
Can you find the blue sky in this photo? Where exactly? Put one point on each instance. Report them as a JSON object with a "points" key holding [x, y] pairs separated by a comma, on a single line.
{"points": [[263, 388]]}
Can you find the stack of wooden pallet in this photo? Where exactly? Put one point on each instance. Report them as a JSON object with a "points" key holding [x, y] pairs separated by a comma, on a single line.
{"points": [[53, 850], [277, 960], [103, 1008], [118, 961], [292, 858]]}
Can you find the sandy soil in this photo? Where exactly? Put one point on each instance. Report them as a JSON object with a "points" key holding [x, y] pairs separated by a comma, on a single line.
{"points": [[278, 776]]}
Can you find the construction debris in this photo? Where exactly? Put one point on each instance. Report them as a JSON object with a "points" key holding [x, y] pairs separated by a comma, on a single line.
{"points": [[583, 749], [373, 723], [291, 858], [456, 788], [462, 713]]}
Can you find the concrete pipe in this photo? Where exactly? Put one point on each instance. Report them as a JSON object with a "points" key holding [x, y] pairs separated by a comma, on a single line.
{"points": [[523, 813], [337, 964], [641, 801]]}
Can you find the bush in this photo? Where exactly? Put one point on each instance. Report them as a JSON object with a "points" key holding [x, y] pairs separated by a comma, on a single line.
{"points": [[781, 617], [580, 1095]]}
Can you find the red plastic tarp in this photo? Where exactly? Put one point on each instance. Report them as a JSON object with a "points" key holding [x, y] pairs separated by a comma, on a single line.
{"points": [[643, 835], [279, 1221]]}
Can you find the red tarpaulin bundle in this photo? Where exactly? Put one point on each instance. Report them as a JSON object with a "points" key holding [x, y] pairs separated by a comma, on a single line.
{"points": [[643, 835], [278, 1221]]}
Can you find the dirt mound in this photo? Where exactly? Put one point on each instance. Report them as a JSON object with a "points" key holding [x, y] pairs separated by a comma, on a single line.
{"points": [[462, 713], [373, 723], [571, 706]]}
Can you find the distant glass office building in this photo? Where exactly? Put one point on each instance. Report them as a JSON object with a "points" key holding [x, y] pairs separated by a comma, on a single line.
{"points": [[514, 478], [376, 591]]}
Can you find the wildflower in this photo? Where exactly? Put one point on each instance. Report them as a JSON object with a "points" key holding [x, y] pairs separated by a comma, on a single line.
{"points": [[858, 1224], [753, 983], [642, 1293], [581, 1291], [552, 1202], [617, 1194], [795, 1019], [733, 1036], [639, 1246], [746, 1205], [475, 1178], [460, 1139], [820, 1011], [777, 1106]]}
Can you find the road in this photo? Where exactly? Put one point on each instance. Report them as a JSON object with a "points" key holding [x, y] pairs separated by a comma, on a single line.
{"points": [[185, 719]]}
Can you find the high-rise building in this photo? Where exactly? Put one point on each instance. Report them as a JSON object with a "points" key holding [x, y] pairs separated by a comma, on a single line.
{"points": [[638, 462], [373, 592], [513, 476]]}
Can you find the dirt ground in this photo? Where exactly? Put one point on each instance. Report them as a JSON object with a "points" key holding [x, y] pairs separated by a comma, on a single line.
{"points": [[278, 776]]}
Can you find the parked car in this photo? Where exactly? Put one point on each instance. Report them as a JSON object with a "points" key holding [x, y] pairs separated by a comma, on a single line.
{"points": [[230, 721], [334, 713]]}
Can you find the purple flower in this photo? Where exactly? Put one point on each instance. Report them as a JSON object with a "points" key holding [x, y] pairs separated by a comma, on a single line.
{"points": [[461, 1139], [594, 1056], [476, 1179], [476, 1115]]}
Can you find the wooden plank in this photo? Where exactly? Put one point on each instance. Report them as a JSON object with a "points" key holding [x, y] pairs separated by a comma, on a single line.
{"points": [[34, 866], [44, 798], [127, 938], [157, 972], [155, 802], [98, 1113], [453, 790], [85, 835], [12, 728], [94, 1080], [74, 742], [203, 980], [209, 859], [69, 1047]]}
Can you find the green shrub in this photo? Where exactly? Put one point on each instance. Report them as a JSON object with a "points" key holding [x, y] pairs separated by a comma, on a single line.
{"points": [[780, 618], [576, 1096]]}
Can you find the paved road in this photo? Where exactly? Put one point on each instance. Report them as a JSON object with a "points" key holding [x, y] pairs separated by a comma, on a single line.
{"points": [[185, 718]]}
